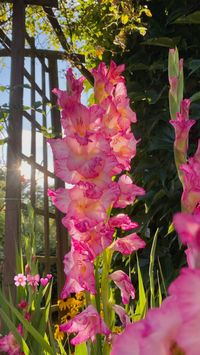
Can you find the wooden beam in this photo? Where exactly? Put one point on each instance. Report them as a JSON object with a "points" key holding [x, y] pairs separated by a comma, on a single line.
{"points": [[13, 183], [49, 3], [61, 232], [41, 53], [25, 72], [37, 166]]}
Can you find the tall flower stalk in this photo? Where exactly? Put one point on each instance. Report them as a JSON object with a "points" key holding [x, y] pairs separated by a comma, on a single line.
{"points": [[93, 158], [188, 169]]}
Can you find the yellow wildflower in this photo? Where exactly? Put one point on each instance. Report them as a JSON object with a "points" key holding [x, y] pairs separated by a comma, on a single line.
{"points": [[58, 335], [117, 330], [64, 319], [80, 296], [62, 305]]}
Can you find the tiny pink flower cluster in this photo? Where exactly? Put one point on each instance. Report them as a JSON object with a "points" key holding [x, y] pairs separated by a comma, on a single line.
{"points": [[31, 280], [97, 145]]}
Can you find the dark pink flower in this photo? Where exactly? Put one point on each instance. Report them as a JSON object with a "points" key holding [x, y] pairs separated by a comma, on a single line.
{"points": [[22, 304], [124, 283]]}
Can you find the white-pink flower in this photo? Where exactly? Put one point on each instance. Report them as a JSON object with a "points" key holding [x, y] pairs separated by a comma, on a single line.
{"points": [[128, 192], [127, 245], [20, 280]]}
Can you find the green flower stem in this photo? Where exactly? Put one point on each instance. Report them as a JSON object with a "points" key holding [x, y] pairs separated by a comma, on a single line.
{"points": [[105, 287], [180, 158], [98, 301], [151, 269], [87, 298]]}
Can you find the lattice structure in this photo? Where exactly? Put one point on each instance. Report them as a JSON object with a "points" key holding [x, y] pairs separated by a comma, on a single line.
{"points": [[48, 69]]}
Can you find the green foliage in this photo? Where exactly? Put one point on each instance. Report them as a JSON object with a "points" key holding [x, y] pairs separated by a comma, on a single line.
{"points": [[35, 339], [153, 167], [91, 27], [126, 32]]}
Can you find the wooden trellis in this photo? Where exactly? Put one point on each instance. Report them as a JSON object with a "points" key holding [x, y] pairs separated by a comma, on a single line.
{"points": [[48, 63]]}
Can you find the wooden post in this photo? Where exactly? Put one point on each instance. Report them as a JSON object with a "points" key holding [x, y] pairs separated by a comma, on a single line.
{"points": [[61, 232], [13, 183]]}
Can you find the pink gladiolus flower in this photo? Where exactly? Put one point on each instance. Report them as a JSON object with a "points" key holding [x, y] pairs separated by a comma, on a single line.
{"points": [[127, 245], [158, 333], [49, 276], [185, 106], [87, 324], [105, 79], [9, 345], [182, 126], [20, 280], [122, 221], [131, 338], [124, 148], [191, 180], [128, 192], [74, 89], [108, 166], [114, 73], [110, 124], [79, 272], [83, 210], [124, 283], [182, 129], [74, 86], [127, 116], [188, 228], [186, 289], [33, 280], [95, 240], [123, 316], [86, 160], [44, 281], [80, 121]]}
